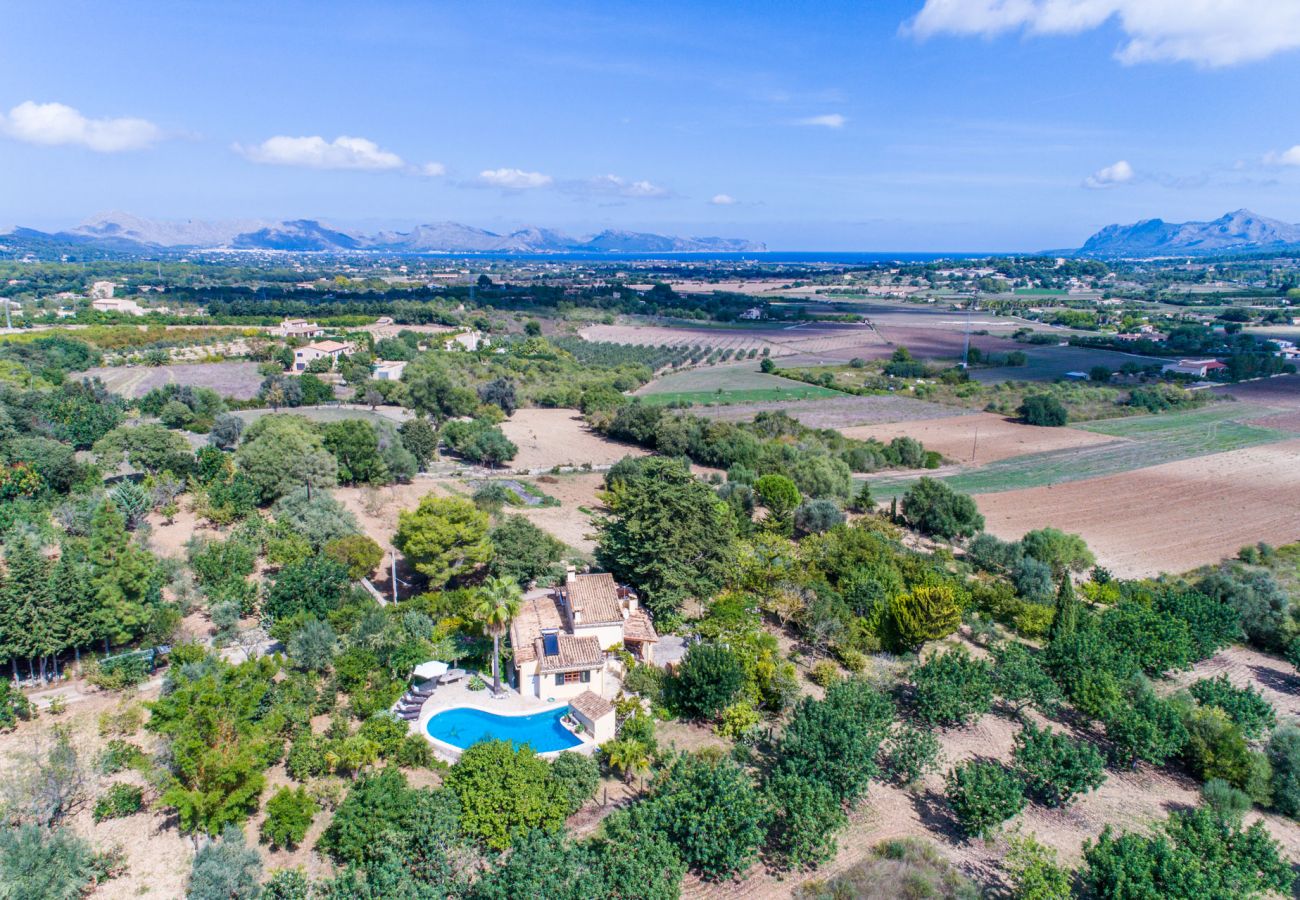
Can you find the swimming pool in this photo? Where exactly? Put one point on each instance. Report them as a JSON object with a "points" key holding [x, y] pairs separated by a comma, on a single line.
{"points": [[462, 727]]}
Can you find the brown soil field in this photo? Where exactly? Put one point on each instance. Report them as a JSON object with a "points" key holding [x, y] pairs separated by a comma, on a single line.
{"points": [[229, 379], [1284, 421], [836, 412], [1166, 518], [547, 438], [979, 437], [1282, 391]]}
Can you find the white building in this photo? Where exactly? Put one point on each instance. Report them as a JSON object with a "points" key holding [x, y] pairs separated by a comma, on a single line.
{"points": [[388, 370], [1195, 367], [113, 304], [466, 340], [102, 290], [298, 328], [332, 349]]}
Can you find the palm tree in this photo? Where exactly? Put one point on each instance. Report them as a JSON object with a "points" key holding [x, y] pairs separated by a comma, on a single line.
{"points": [[628, 756], [498, 603]]}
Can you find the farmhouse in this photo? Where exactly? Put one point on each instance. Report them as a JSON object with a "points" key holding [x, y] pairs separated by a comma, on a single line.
{"points": [[1198, 368], [332, 349], [298, 328], [561, 639], [117, 305]]}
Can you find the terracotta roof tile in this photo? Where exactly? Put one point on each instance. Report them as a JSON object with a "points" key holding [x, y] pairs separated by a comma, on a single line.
{"points": [[591, 705], [573, 653], [639, 628], [596, 598], [536, 615]]}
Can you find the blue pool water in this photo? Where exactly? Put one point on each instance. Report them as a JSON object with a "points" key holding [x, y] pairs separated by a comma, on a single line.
{"points": [[542, 731]]}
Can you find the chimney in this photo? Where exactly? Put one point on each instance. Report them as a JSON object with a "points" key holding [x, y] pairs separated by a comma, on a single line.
{"points": [[570, 575], [577, 618]]}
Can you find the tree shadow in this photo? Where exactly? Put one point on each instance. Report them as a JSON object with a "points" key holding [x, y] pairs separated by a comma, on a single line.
{"points": [[1282, 682], [934, 813]]}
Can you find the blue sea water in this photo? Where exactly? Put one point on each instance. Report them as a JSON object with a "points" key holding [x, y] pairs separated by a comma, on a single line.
{"points": [[542, 731]]}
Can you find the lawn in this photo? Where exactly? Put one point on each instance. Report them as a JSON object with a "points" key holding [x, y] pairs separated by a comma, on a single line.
{"points": [[1140, 441]]}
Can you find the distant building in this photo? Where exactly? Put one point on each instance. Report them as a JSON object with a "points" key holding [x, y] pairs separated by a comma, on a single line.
{"points": [[299, 328], [467, 340], [66, 313], [388, 370], [1197, 368], [113, 304], [332, 349], [102, 290], [754, 312]]}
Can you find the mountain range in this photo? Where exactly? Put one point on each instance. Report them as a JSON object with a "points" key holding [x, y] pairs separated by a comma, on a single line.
{"points": [[125, 232], [1236, 232]]}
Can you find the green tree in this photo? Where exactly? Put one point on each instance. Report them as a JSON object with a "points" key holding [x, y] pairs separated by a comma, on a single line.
{"points": [[952, 688], [779, 497], [1021, 681], [1065, 615], [49, 863], [378, 807], [983, 794], [579, 775], [1056, 768], [288, 816], [522, 551], [124, 575], [932, 507], [315, 587], [1284, 755], [315, 515], [358, 553], [1195, 855], [708, 680], [356, 447], [1247, 709], [496, 605], [836, 740], [420, 437], [1063, 552], [1147, 728], [444, 538], [707, 807], [281, 453], [505, 790], [1216, 747], [149, 448], [1043, 409], [669, 536], [225, 869], [1033, 870], [911, 753], [806, 815], [926, 613]]}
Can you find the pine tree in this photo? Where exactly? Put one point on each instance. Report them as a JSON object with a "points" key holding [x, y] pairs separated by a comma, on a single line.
{"points": [[123, 576], [27, 603], [1065, 620], [74, 598]]}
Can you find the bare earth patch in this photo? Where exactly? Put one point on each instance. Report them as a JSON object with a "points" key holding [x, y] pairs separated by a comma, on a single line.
{"points": [[1167, 518], [835, 412], [547, 438], [229, 379], [980, 437]]}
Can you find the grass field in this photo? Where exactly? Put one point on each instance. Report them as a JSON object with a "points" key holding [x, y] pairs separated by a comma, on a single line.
{"points": [[1140, 441], [729, 384]]}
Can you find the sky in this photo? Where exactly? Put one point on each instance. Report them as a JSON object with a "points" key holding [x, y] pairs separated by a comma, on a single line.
{"points": [[876, 125]]}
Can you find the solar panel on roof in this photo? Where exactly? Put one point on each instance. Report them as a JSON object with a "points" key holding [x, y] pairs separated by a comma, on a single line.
{"points": [[551, 644]]}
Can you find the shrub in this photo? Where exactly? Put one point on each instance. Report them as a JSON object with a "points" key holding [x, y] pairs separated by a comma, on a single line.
{"points": [[1216, 748], [934, 508], [1228, 803], [578, 776], [907, 867], [1195, 855], [1244, 706], [225, 869], [288, 816], [120, 800], [44, 863], [118, 755], [824, 672], [910, 753], [816, 516], [1055, 767], [738, 721], [357, 553], [926, 613], [1020, 680], [805, 818], [1284, 754], [1033, 870], [1043, 409], [983, 794], [1147, 728], [952, 688], [709, 678], [835, 740]]}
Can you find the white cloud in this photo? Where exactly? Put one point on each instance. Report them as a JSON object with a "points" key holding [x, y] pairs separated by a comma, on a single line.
{"points": [[1110, 176], [1210, 33], [54, 123], [614, 186], [722, 200], [317, 153], [513, 179], [1285, 158], [830, 120], [432, 169]]}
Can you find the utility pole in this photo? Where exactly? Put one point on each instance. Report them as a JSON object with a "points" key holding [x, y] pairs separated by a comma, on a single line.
{"points": [[393, 556]]}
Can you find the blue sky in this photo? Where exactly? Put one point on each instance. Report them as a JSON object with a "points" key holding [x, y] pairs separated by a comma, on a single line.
{"points": [[885, 125]]}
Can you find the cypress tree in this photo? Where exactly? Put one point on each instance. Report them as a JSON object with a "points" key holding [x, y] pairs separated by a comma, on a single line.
{"points": [[1065, 620], [74, 598], [27, 603]]}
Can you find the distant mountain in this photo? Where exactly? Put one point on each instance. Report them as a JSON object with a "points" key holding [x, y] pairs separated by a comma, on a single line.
{"points": [[126, 232], [1236, 232]]}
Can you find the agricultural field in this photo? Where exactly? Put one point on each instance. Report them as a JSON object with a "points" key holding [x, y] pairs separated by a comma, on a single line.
{"points": [[1166, 518], [979, 438], [393, 415], [839, 411], [239, 380], [547, 438], [1049, 362], [727, 384]]}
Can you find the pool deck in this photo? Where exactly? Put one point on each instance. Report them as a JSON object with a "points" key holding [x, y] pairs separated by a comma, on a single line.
{"points": [[509, 703]]}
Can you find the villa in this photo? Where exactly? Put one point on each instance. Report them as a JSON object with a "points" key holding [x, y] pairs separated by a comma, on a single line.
{"points": [[304, 356], [563, 638]]}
